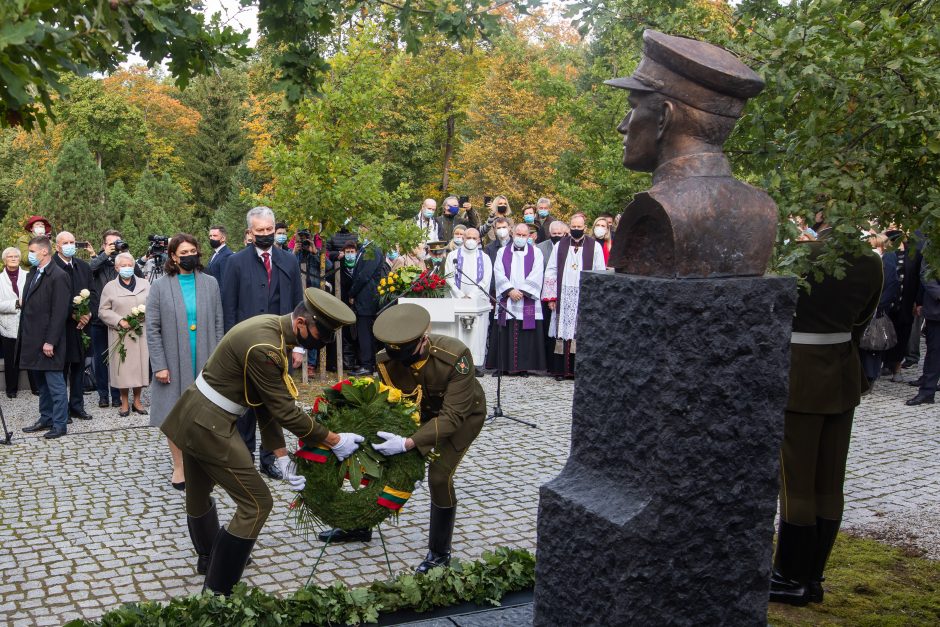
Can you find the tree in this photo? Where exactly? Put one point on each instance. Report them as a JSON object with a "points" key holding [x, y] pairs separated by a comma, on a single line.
{"points": [[219, 144], [74, 196], [157, 207]]}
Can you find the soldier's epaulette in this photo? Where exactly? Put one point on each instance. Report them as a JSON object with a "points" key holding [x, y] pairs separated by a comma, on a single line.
{"points": [[444, 355]]}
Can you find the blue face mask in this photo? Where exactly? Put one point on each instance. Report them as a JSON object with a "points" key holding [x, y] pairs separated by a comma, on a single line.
{"points": [[543, 213], [452, 209], [530, 241], [68, 250], [280, 239], [126, 272], [520, 242], [458, 241], [33, 259], [428, 213], [529, 218], [393, 255]]}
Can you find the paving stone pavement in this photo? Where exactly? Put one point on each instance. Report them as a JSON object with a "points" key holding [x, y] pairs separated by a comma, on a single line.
{"points": [[90, 521]]}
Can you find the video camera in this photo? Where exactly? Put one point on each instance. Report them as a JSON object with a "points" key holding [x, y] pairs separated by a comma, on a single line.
{"points": [[158, 244]]}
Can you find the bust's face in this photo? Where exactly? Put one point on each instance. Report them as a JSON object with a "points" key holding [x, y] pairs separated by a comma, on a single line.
{"points": [[639, 130]]}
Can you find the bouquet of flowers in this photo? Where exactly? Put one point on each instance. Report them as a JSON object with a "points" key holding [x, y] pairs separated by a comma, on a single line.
{"points": [[81, 306], [135, 329], [430, 285], [397, 283], [367, 487]]}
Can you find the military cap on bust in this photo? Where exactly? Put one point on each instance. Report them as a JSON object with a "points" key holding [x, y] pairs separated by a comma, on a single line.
{"points": [[328, 310], [402, 324], [697, 73], [437, 247], [533, 229]]}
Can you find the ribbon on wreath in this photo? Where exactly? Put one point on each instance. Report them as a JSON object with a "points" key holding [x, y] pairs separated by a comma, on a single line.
{"points": [[317, 454], [393, 499]]}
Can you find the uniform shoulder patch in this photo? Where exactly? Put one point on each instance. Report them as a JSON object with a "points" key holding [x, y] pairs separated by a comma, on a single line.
{"points": [[275, 357], [463, 365]]}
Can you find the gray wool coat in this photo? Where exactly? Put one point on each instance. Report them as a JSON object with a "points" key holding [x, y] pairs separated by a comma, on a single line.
{"points": [[168, 337]]}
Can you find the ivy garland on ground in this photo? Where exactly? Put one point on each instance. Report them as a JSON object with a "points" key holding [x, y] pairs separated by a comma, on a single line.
{"points": [[483, 582], [367, 487]]}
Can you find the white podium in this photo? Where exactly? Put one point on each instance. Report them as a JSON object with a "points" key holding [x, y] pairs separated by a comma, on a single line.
{"points": [[466, 319]]}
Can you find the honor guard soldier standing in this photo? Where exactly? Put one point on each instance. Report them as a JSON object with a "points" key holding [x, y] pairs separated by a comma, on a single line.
{"points": [[249, 368], [826, 384], [437, 372]]}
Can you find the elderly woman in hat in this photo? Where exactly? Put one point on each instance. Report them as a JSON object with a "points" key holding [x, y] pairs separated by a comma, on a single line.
{"points": [[35, 226]]}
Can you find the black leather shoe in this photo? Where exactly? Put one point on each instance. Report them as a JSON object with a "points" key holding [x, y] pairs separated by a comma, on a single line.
{"points": [[361, 372], [54, 433], [11, 395], [789, 591], [433, 560], [921, 399], [69, 421], [103, 402], [272, 471], [115, 403], [915, 383], [345, 535], [37, 426], [81, 414], [230, 555]]}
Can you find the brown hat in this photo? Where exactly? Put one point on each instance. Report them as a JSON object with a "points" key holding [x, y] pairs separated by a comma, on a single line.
{"points": [[31, 220], [694, 72]]}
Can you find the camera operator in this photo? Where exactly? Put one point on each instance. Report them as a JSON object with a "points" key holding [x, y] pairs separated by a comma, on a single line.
{"points": [[152, 263], [309, 258], [102, 273]]}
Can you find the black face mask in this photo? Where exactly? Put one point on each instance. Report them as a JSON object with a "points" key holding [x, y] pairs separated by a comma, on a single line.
{"points": [[215, 243], [406, 354], [189, 262], [556, 239], [577, 233], [502, 208], [313, 343], [264, 242]]}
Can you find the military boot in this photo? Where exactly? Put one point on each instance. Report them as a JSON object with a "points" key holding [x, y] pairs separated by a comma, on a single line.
{"points": [[229, 558], [202, 531], [826, 532], [440, 534], [789, 580]]}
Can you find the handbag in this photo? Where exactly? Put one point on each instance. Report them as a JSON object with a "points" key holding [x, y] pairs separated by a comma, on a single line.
{"points": [[879, 335]]}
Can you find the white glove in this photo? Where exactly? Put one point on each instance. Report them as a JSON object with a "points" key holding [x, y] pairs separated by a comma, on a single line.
{"points": [[348, 443], [289, 472], [393, 444]]}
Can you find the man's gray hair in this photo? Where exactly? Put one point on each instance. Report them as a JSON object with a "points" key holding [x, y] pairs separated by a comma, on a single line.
{"points": [[544, 201], [265, 213], [558, 223], [449, 198]]}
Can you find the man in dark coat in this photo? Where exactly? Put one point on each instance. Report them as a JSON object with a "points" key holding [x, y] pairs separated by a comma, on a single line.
{"points": [[218, 238], [261, 279], [79, 274], [368, 269], [826, 385], [41, 344], [929, 307]]}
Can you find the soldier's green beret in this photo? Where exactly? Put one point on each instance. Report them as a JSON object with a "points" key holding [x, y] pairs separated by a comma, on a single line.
{"points": [[402, 324], [437, 247], [327, 309]]}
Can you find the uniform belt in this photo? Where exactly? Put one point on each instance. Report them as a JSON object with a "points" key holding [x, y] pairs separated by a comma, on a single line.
{"points": [[819, 339], [217, 399]]}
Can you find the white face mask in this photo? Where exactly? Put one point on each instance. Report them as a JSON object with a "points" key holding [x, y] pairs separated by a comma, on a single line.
{"points": [[470, 244], [39, 230], [502, 233], [600, 232]]}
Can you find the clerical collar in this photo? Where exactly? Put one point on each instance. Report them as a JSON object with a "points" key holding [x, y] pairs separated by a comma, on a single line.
{"points": [[702, 164]]}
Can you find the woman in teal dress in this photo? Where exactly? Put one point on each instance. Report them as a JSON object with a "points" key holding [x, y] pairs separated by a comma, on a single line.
{"points": [[184, 325]]}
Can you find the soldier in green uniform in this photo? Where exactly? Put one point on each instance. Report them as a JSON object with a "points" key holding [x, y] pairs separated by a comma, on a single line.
{"points": [[249, 368], [437, 253], [437, 372], [826, 384]]}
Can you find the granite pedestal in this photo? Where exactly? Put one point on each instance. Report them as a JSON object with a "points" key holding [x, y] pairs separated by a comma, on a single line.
{"points": [[664, 512]]}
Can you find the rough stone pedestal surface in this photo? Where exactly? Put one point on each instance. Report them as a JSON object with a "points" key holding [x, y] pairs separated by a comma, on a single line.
{"points": [[664, 512]]}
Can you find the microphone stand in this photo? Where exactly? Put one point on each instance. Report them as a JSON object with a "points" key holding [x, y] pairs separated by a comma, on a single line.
{"points": [[497, 408]]}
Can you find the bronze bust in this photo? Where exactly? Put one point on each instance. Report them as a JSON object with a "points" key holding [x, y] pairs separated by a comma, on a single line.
{"points": [[697, 220]]}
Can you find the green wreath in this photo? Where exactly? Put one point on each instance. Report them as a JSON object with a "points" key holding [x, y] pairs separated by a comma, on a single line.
{"points": [[367, 487]]}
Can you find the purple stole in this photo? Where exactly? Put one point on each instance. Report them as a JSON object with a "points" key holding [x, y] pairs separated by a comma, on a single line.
{"points": [[563, 245], [528, 304], [459, 274]]}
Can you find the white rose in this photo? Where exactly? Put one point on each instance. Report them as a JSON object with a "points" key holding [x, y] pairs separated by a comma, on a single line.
{"points": [[141, 308], [77, 300], [134, 311], [84, 293]]}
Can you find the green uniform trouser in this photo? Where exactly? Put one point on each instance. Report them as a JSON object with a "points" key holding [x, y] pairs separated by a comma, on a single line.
{"points": [[812, 466], [246, 487], [441, 474]]}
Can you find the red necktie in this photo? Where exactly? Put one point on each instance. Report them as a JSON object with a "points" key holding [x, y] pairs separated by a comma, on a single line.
{"points": [[267, 265]]}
